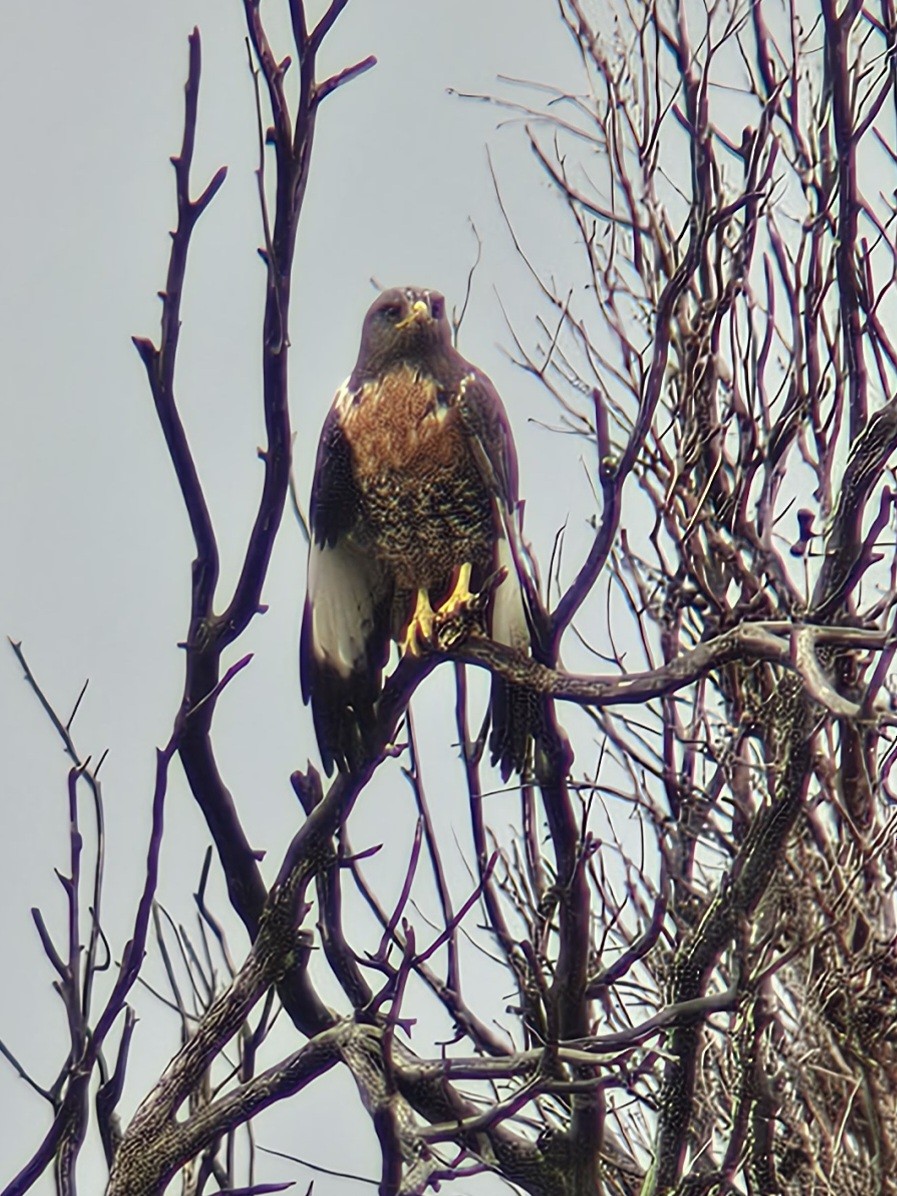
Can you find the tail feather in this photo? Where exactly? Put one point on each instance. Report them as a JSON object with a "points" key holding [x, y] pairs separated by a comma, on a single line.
{"points": [[516, 719]]}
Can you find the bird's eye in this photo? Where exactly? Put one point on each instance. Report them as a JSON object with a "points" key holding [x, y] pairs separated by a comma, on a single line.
{"points": [[437, 307], [392, 312]]}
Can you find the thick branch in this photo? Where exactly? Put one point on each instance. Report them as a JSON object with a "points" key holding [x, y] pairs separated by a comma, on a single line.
{"points": [[791, 645]]}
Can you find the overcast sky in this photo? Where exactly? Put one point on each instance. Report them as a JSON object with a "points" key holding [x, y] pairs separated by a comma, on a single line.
{"points": [[94, 538]]}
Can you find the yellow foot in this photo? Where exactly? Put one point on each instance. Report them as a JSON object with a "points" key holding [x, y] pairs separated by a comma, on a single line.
{"points": [[420, 630], [461, 598], [460, 614], [427, 626]]}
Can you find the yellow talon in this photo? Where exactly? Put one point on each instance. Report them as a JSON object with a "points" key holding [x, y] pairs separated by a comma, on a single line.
{"points": [[420, 629], [461, 596], [420, 632]]}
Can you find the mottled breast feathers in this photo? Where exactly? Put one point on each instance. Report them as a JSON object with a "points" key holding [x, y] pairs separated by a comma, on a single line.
{"points": [[415, 477]]}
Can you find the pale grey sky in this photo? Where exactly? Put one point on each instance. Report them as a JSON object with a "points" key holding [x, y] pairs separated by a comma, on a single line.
{"points": [[94, 536]]}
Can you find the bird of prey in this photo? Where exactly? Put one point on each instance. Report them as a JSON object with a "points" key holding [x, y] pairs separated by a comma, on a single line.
{"points": [[413, 504]]}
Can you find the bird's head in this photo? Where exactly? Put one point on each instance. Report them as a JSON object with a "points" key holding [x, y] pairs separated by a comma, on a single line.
{"points": [[404, 324]]}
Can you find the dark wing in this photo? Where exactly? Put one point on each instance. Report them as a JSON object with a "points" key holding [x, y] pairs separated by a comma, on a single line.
{"points": [[490, 436], [334, 507], [345, 635], [514, 710]]}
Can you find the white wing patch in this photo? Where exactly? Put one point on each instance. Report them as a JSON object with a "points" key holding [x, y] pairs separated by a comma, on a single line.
{"points": [[340, 590], [509, 625]]}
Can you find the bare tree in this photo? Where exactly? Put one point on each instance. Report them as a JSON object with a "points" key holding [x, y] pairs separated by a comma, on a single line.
{"points": [[705, 1004], [734, 354]]}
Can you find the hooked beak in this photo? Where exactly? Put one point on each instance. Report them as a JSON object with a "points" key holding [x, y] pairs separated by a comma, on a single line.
{"points": [[419, 311]]}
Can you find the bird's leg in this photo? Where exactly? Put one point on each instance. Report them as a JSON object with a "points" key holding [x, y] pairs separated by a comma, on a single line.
{"points": [[428, 628], [462, 611], [461, 598], [420, 629]]}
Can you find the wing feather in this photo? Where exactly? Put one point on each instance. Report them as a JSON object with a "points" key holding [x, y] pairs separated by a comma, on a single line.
{"points": [[344, 642], [334, 507], [515, 710], [490, 436]]}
